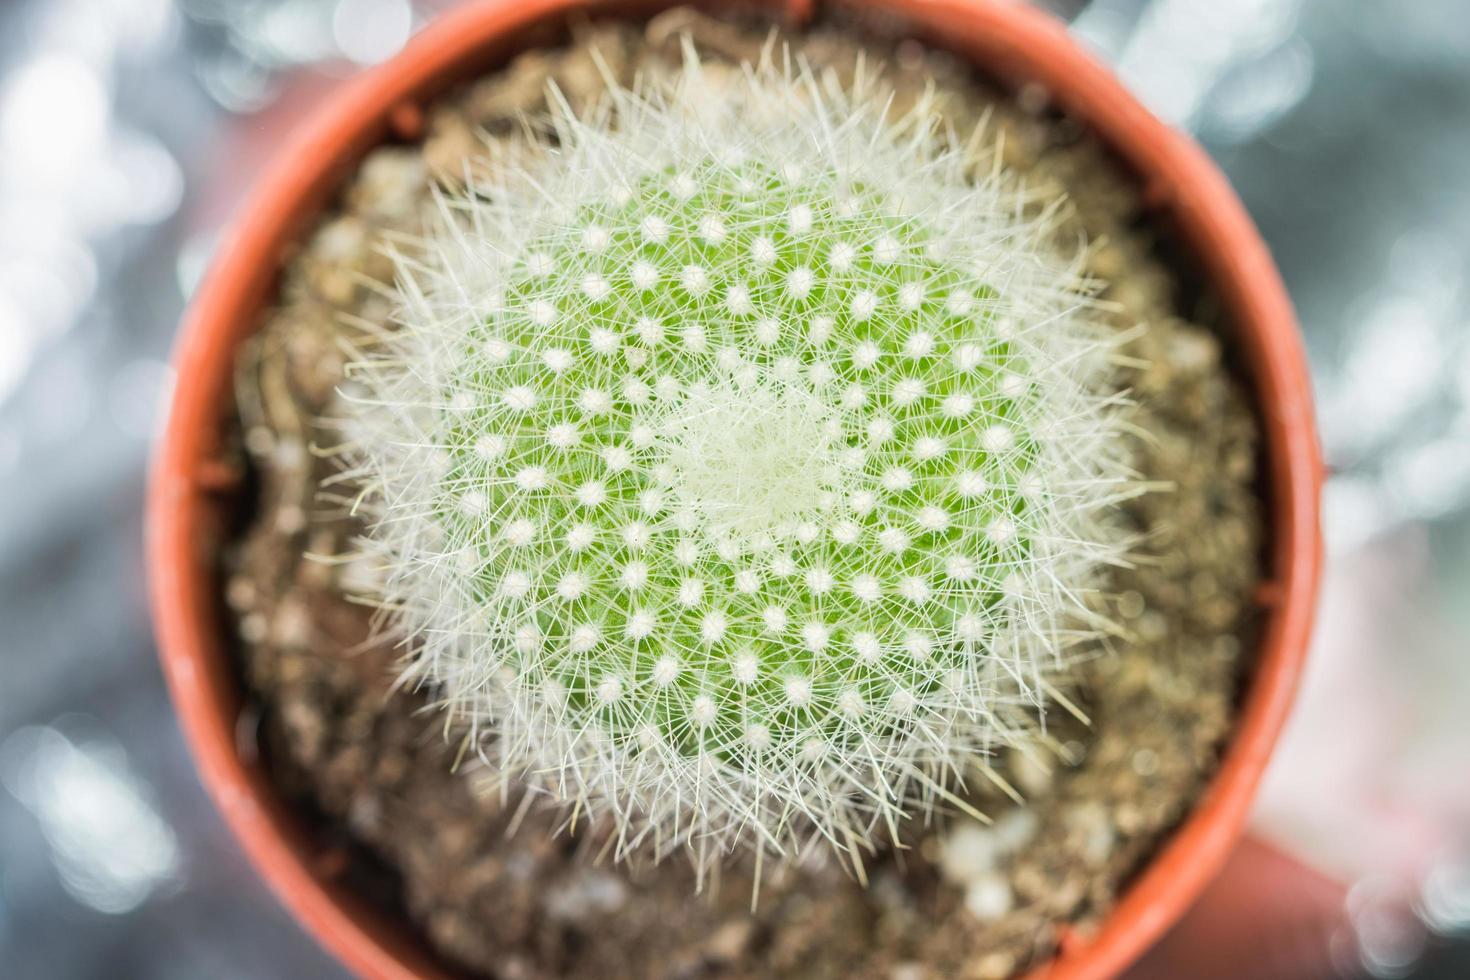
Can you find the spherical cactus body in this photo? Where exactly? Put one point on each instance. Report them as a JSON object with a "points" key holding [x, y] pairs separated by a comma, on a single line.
{"points": [[741, 464]]}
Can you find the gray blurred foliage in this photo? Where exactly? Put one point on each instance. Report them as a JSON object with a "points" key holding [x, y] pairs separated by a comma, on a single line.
{"points": [[1345, 125]]}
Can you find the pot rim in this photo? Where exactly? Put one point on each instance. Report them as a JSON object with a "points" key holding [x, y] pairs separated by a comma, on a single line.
{"points": [[1009, 41]]}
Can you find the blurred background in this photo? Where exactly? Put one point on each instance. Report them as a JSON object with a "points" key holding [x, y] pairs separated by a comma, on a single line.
{"points": [[130, 129]]}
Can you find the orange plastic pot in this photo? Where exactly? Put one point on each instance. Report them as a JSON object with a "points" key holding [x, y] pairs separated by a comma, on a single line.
{"points": [[1012, 43]]}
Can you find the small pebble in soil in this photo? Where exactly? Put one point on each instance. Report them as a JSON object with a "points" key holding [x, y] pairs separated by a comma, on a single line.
{"points": [[389, 183], [992, 966], [988, 896], [1014, 829], [288, 454], [290, 519], [1131, 604], [240, 593], [968, 851], [586, 895], [259, 440], [729, 941], [292, 625], [253, 627], [1089, 821]]}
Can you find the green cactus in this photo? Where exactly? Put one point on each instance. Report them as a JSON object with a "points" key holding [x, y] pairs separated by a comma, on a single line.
{"points": [[742, 467]]}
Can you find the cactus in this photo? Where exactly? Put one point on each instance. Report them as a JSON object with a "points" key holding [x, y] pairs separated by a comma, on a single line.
{"points": [[741, 462]]}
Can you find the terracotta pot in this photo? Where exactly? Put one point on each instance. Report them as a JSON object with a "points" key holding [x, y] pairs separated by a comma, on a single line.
{"points": [[1007, 41]]}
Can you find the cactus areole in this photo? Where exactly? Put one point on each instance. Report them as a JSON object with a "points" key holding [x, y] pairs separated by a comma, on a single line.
{"points": [[741, 463]]}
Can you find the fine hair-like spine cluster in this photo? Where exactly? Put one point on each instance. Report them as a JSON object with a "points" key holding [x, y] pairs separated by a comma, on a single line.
{"points": [[741, 464]]}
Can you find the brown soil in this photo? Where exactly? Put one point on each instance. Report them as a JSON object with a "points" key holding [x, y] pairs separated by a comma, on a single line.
{"points": [[377, 769]]}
